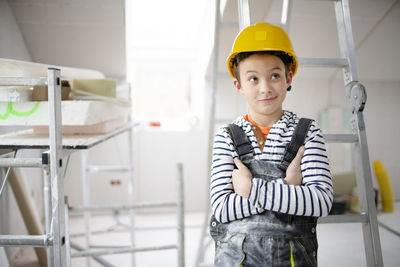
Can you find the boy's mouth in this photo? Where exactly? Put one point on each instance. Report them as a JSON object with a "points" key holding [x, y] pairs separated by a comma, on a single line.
{"points": [[268, 99]]}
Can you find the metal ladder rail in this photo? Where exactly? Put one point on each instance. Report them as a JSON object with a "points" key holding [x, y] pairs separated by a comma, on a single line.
{"points": [[357, 95], [54, 237], [244, 21], [211, 128]]}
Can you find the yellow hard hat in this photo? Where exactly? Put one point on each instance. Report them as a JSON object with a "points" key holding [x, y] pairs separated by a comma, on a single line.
{"points": [[262, 36]]}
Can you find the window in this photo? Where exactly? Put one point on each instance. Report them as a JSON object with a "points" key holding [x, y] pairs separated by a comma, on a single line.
{"points": [[162, 38], [162, 91]]}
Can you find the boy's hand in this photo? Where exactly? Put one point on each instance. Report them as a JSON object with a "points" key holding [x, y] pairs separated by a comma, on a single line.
{"points": [[241, 179], [293, 172]]}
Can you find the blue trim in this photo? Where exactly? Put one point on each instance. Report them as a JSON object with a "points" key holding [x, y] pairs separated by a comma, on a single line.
{"points": [[296, 201], [280, 197], [256, 197], [273, 196], [241, 207], [249, 206], [312, 202], [304, 201], [288, 203], [227, 207], [234, 206]]}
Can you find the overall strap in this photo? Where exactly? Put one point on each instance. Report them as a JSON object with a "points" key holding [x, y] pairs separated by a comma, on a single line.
{"points": [[241, 142], [298, 138]]}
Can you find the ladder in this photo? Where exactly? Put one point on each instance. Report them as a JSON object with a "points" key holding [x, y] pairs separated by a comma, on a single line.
{"points": [[95, 251], [88, 169], [357, 96]]}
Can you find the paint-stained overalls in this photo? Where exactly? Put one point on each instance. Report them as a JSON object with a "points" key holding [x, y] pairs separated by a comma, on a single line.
{"points": [[270, 238]]}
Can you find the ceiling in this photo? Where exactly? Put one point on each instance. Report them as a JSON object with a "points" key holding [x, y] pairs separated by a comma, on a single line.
{"points": [[76, 33], [313, 32]]}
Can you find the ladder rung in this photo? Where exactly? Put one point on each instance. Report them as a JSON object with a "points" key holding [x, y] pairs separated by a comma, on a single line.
{"points": [[21, 162], [341, 138], [25, 241], [324, 62], [122, 207], [346, 218], [95, 252], [22, 81], [97, 169]]}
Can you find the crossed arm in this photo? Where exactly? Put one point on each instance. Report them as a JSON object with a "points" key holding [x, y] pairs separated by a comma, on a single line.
{"points": [[241, 177], [235, 194]]}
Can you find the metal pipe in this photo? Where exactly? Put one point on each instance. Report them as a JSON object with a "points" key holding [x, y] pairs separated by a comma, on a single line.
{"points": [[180, 218], [211, 130], [244, 14], [346, 218], [20, 162], [88, 253], [102, 169], [47, 210], [136, 228], [57, 190], [346, 41], [341, 138], [40, 241], [96, 258], [131, 193], [121, 207], [86, 199], [324, 62], [286, 16], [67, 237], [372, 244]]}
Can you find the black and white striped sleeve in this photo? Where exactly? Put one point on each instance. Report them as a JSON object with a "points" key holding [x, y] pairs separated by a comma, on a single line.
{"points": [[226, 204], [314, 197]]}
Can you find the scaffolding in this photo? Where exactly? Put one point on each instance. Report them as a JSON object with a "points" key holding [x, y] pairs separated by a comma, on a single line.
{"points": [[56, 237]]}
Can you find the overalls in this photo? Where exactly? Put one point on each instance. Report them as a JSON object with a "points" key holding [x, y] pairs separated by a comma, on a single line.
{"points": [[270, 238]]}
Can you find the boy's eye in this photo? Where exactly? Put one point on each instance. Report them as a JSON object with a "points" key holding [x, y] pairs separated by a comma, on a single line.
{"points": [[253, 79], [275, 76]]}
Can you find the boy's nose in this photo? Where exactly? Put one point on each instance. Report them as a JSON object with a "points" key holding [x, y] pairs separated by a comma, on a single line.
{"points": [[264, 88]]}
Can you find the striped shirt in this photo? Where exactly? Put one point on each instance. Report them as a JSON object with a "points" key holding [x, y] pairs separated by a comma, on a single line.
{"points": [[313, 198]]}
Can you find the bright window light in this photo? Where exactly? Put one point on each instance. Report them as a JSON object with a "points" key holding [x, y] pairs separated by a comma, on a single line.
{"points": [[162, 38]]}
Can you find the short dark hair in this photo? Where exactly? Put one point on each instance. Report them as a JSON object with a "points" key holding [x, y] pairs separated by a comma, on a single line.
{"points": [[286, 59]]}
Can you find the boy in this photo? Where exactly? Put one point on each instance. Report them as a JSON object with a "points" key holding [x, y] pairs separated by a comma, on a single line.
{"points": [[265, 213]]}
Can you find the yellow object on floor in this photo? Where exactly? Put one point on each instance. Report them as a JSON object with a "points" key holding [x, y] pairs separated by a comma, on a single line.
{"points": [[385, 186]]}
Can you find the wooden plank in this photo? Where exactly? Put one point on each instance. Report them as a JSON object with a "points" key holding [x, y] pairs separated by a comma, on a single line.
{"points": [[28, 210]]}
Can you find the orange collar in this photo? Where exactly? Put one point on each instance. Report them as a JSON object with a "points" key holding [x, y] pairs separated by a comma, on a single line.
{"points": [[264, 129]]}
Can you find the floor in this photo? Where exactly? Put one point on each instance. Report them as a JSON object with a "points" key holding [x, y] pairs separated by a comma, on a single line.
{"points": [[339, 244]]}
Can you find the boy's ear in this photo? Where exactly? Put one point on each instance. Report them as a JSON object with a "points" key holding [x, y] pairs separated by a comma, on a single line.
{"points": [[236, 83], [289, 80]]}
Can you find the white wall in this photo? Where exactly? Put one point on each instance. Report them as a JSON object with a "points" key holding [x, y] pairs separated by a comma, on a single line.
{"points": [[12, 44], [82, 34], [381, 119]]}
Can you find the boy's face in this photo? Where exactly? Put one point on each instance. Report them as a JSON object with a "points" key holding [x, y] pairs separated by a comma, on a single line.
{"points": [[263, 83]]}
